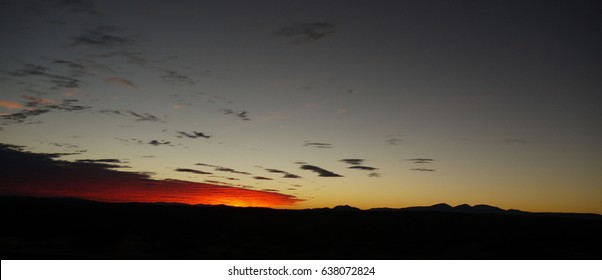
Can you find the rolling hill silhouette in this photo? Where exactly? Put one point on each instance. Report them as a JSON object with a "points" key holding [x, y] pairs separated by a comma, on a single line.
{"points": [[67, 228]]}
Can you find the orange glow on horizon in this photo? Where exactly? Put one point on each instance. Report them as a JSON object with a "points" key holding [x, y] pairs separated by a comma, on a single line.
{"points": [[168, 191]]}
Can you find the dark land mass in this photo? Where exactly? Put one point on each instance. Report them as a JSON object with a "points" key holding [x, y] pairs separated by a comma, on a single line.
{"points": [[63, 228]]}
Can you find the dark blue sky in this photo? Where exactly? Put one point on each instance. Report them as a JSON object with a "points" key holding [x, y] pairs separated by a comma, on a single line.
{"points": [[491, 102]]}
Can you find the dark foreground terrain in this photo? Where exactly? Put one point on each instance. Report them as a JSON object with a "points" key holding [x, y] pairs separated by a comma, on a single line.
{"points": [[49, 228]]}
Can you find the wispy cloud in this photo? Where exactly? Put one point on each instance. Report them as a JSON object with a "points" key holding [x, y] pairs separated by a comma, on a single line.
{"points": [[102, 36], [103, 163], [10, 104], [318, 145], [353, 161], [193, 134], [224, 169], [321, 172], [423, 169], [286, 174], [193, 171], [120, 81], [159, 142], [394, 139], [242, 115], [144, 142], [356, 164], [421, 160], [137, 116], [56, 81], [361, 167], [262, 178], [35, 106], [81, 6], [306, 32], [175, 78]]}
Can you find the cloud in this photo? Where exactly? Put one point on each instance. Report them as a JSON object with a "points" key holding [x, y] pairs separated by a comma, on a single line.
{"points": [[356, 164], [36, 106], [35, 174], [103, 163], [120, 81], [353, 161], [193, 135], [230, 170], [227, 178], [306, 32], [56, 81], [75, 69], [242, 115], [393, 139], [144, 142], [78, 6], [175, 78], [321, 172], [361, 167], [159, 142], [423, 169], [10, 105], [286, 174], [262, 178], [224, 169], [144, 117], [193, 171], [137, 58], [64, 145], [318, 145], [101, 36], [112, 112], [137, 116], [35, 101], [421, 160]]}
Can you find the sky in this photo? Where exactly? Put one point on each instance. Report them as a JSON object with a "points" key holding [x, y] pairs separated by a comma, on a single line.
{"points": [[304, 104]]}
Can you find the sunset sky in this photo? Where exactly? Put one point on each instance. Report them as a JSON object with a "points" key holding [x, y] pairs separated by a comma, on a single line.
{"points": [[304, 104]]}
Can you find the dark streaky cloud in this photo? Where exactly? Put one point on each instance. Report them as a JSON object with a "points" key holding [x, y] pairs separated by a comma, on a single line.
{"points": [[242, 115], [286, 174], [159, 142], [193, 171], [193, 135], [421, 160], [361, 167], [318, 145], [38, 106], [137, 116], [101, 36], [224, 169], [353, 161], [321, 172], [423, 169], [306, 32]]}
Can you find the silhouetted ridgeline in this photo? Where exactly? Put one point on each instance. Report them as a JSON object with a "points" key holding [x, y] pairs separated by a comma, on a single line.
{"points": [[53, 228]]}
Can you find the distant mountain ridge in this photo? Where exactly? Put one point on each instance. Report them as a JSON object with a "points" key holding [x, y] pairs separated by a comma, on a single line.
{"points": [[484, 209], [440, 207]]}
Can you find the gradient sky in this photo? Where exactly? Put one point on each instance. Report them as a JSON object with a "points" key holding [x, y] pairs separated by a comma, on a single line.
{"points": [[302, 104]]}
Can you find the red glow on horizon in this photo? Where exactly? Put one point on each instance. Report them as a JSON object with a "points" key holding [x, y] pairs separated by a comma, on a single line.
{"points": [[33, 174], [170, 191]]}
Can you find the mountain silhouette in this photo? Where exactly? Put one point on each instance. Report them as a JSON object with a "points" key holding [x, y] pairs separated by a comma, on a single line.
{"points": [[68, 228]]}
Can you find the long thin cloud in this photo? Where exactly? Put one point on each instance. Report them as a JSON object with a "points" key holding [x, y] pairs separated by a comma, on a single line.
{"points": [[321, 172]]}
